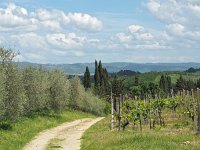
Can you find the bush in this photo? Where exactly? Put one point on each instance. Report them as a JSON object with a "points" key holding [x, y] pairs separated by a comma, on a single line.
{"points": [[5, 126], [84, 100], [59, 90]]}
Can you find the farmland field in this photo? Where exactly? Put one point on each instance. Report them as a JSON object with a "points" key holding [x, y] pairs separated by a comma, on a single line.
{"points": [[177, 135]]}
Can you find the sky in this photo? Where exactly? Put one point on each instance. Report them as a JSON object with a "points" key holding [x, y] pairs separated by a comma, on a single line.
{"points": [[79, 31]]}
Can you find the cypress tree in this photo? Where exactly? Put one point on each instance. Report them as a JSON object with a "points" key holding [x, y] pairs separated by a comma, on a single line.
{"points": [[100, 69], [136, 80], [87, 83], [117, 86], [180, 83], [162, 82], [165, 84], [106, 73], [169, 84], [101, 79], [96, 76]]}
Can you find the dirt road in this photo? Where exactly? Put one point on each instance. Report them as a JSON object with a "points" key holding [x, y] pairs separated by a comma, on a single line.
{"points": [[64, 137]]}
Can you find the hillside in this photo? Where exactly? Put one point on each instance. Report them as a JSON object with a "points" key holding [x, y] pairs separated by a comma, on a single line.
{"points": [[79, 68]]}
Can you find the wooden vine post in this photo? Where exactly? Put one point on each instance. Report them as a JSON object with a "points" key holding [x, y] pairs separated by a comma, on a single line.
{"points": [[194, 109], [149, 100], [119, 116], [112, 111], [198, 103], [172, 93]]}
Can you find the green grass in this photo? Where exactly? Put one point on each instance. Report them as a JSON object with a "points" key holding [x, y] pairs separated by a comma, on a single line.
{"points": [[99, 137], [23, 131]]}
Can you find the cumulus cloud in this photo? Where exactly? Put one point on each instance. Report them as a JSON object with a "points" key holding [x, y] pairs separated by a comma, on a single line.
{"points": [[69, 41], [184, 12], [135, 28], [85, 21], [73, 34], [41, 31], [153, 5], [13, 16], [138, 37], [123, 37], [56, 20], [181, 19], [176, 28]]}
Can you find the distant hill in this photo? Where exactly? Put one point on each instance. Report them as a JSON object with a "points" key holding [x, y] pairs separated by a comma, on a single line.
{"points": [[79, 68]]}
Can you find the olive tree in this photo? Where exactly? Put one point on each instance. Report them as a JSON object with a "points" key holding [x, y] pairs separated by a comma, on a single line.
{"points": [[59, 90]]}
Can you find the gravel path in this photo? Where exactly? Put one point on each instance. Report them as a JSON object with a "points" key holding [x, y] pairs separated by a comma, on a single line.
{"points": [[64, 137]]}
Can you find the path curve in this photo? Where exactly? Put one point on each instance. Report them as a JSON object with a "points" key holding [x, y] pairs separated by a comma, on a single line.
{"points": [[64, 137]]}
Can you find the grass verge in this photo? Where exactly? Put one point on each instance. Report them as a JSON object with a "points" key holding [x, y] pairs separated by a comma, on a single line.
{"points": [[99, 137], [23, 131]]}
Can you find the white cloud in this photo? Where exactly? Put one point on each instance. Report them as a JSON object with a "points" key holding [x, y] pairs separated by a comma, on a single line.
{"points": [[14, 17], [70, 35], [139, 37], [144, 36], [168, 11], [52, 25], [181, 19], [33, 56], [123, 37], [176, 28], [135, 28], [153, 46], [85, 21], [153, 5], [69, 41], [28, 40]]}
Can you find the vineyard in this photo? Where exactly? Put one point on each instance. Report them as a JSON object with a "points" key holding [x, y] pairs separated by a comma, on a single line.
{"points": [[152, 112]]}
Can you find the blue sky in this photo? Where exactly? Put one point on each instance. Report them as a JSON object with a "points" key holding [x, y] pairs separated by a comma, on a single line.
{"points": [[71, 31]]}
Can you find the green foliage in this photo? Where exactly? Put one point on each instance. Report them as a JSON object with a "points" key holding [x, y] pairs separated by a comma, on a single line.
{"points": [[133, 111], [84, 100], [59, 91], [182, 83], [136, 80], [5, 126], [15, 95], [136, 91], [38, 91], [96, 76], [198, 83], [86, 80], [165, 84], [101, 80], [2, 92], [36, 85], [117, 86], [77, 93]]}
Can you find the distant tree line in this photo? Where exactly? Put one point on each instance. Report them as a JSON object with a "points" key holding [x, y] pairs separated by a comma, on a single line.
{"points": [[125, 73], [193, 70], [141, 89], [164, 88], [38, 91]]}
